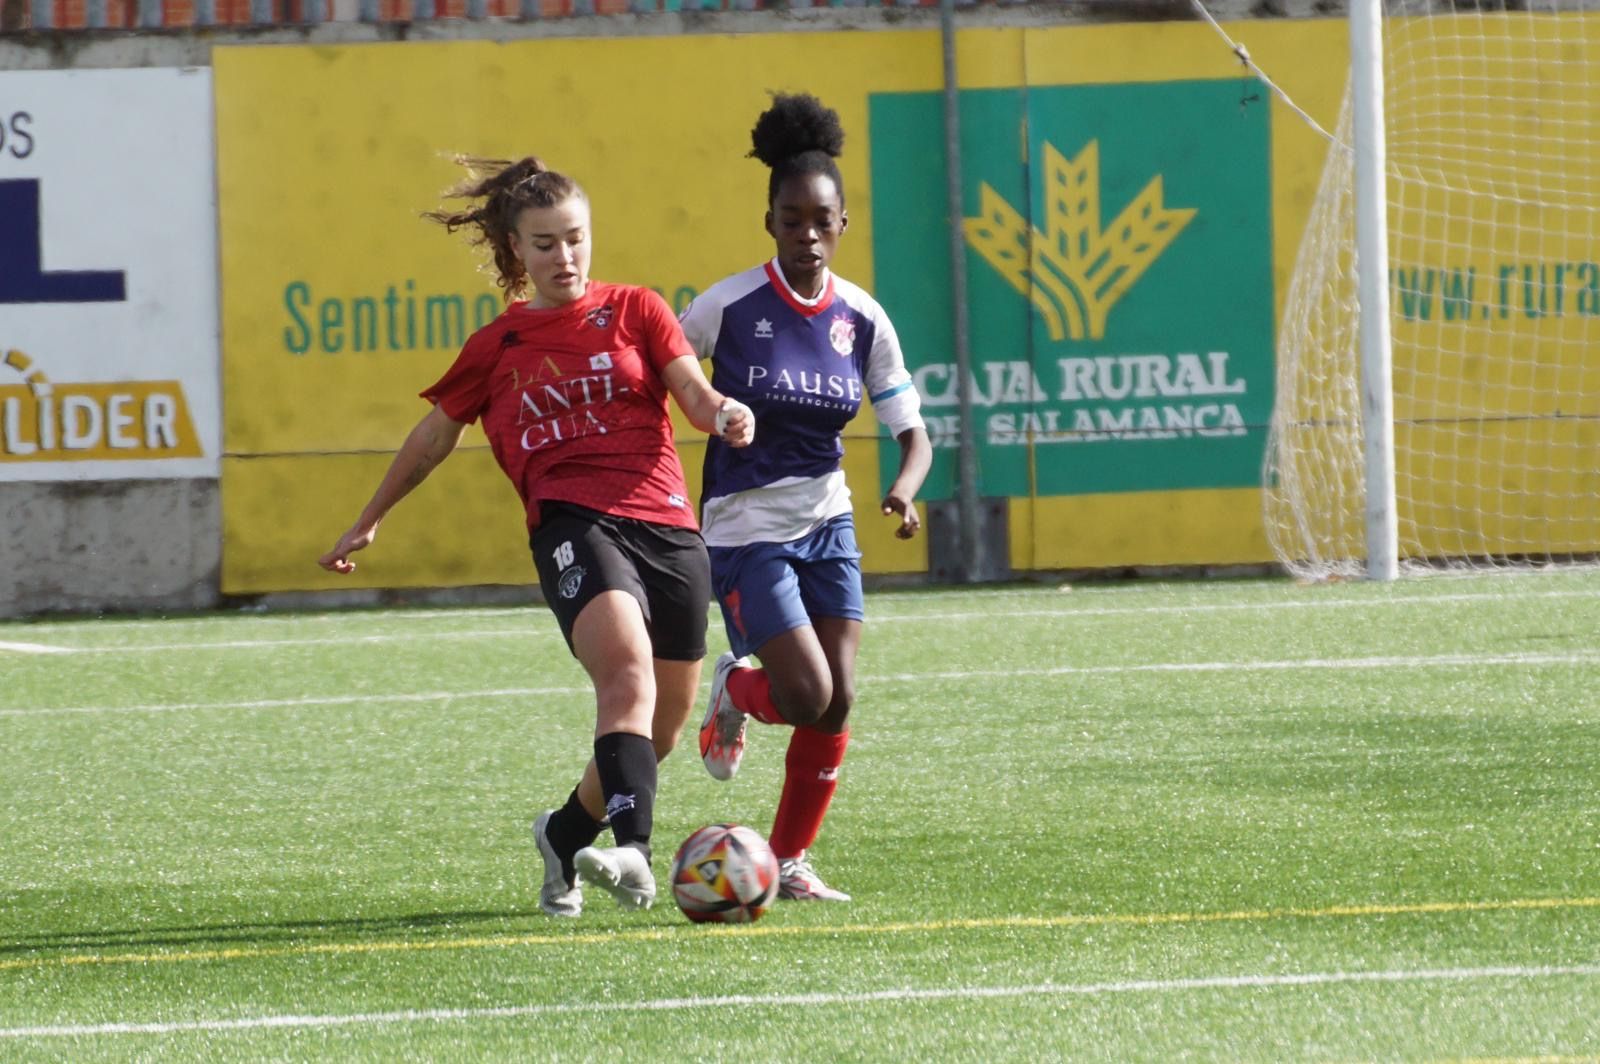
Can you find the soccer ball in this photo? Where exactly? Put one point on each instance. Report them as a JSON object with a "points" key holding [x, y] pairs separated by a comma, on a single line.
{"points": [[724, 873]]}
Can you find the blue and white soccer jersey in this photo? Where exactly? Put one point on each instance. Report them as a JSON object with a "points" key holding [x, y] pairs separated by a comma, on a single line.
{"points": [[803, 367]]}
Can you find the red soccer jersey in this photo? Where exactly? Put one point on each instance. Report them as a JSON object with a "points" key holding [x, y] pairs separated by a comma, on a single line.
{"points": [[574, 404]]}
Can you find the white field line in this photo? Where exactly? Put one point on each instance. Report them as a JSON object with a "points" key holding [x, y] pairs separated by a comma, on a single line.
{"points": [[1410, 590], [1432, 661], [893, 996], [330, 638], [294, 703], [1444, 661], [1233, 607], [34, 648], [351, 615], [547, 630]]}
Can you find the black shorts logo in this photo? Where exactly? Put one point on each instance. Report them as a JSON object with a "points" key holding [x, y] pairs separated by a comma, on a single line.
{"points": [[570, 581]]}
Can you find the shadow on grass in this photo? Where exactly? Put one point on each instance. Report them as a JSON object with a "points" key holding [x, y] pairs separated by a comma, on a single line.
{"points": [[223, 935]]}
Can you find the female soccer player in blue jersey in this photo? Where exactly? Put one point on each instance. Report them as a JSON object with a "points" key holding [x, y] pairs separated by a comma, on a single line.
{"points": [[801, 347]]}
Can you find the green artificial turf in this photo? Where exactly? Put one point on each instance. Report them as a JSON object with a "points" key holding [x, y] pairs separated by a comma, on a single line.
{"points": [[1229, 820]]}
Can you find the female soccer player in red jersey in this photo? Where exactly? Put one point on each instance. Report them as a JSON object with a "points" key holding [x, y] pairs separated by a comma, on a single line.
{"points": [[571, 385], [802, 347]]}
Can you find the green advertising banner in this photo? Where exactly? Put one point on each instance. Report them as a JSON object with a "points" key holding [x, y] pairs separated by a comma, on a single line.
{"points": [[1119, 281]]}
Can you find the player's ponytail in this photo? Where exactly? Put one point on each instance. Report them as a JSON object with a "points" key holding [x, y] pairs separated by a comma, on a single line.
{"points": [[502, 190], [796, 136]]}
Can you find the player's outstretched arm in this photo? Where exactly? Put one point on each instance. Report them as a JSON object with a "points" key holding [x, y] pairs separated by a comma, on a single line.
{"points": [[916, 455], [428, 444], [706, 408]]}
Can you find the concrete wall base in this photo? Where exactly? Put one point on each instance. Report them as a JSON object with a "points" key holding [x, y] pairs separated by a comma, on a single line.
{"points": [[109, 546]]}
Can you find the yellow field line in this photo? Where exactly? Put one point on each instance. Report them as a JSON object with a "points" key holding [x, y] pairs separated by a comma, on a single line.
{"points": [[768, 930]]}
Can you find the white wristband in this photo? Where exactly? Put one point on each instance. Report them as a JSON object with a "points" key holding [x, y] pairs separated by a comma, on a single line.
{"points": [[726, 411]]}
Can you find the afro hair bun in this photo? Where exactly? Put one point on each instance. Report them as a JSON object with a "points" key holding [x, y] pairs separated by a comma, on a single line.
{"points": [[796, 123]]}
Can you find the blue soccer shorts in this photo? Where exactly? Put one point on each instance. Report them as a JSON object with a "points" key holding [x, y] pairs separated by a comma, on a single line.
{"points": [[766, 589]]}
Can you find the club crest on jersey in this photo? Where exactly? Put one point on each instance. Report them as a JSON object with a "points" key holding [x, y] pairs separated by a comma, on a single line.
{"points": [[600, 317], [842, 335]]}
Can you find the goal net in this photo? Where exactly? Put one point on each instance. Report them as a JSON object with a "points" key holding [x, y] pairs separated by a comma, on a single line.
{"points": [[1492, 119]]}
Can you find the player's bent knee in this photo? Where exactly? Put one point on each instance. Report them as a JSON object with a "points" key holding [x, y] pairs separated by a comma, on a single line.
{"points": [[805, 701], [838, 714]]}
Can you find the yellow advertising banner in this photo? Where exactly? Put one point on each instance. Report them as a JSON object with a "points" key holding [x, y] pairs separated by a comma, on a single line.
{"points": [[340, 303]]}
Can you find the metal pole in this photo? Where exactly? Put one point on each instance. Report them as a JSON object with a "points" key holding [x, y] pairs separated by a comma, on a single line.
{"points": [[967, 453], [1372, 268]]}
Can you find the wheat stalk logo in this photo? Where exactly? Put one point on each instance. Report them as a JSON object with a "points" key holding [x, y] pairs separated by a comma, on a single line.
{"points": [[1075, 272]]}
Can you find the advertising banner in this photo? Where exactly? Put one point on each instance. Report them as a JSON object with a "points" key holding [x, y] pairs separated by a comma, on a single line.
{"points": [[1096, 272], [108, 292], [1125, 373]]}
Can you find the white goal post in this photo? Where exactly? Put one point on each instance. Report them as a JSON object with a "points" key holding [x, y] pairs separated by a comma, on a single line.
{"points": [[1438, 385]]}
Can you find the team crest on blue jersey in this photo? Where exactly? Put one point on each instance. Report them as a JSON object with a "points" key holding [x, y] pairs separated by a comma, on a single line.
{"points": [[842, 335], [600, 317]]}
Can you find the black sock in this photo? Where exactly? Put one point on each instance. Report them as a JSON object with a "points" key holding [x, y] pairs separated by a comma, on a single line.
{"points": [[627, 765], [569, 830]]}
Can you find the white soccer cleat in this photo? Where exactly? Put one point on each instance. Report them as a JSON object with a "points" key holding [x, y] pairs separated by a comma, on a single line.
{"points": [[722, 730], [798, 881], [620, 870], [556, 896]]}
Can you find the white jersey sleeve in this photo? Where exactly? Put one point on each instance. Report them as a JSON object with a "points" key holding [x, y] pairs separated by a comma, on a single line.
{"points": [[702, 321], [894, 398]]}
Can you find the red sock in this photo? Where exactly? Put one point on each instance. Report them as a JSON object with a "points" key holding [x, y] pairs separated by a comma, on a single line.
{"points": [[751, 691], [811, 774]]}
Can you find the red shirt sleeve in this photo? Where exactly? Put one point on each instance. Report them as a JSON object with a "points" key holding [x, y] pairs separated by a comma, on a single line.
{"points": [[463, 392], [663, 336]]}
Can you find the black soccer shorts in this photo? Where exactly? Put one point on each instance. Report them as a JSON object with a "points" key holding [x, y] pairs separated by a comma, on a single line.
{"points": [[581, 552]]}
